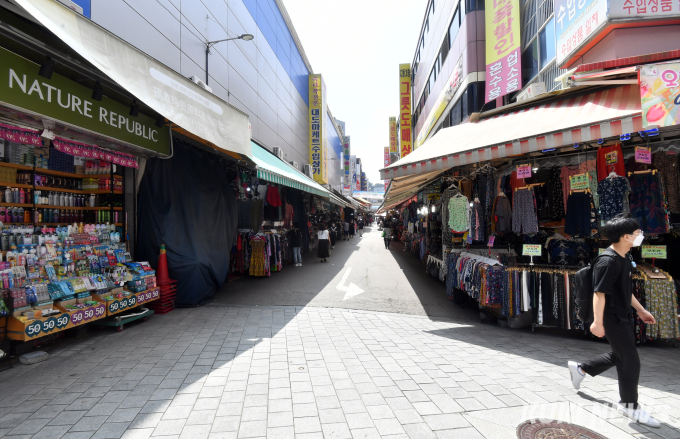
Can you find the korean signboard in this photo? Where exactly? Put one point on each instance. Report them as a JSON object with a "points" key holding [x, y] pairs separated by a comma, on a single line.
{"points": [[643, 8], [503, 48], [660, 94], [353, 172], [386, 162], [364, 182], [654, 252], [452, 86], [393, 135], [357, 186], [347, 177], [405, 108], [318, 154], [575, 22]]}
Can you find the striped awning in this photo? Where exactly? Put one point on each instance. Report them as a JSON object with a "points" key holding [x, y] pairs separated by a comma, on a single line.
{"points": [[275, 170], [557, 123]]}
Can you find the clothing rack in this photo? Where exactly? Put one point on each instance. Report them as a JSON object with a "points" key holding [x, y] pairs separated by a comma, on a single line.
{"points": [[438, 262], [653, 171], [544, 268]]}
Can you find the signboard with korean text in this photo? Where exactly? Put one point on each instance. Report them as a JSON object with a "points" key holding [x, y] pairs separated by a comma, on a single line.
{"points": [[364, 182], [386, 162], [449, 91], [347, 176], [660, 94], [643, 155], [353, 172], [503, 48], [531, 250], [643, 8], [318, 154], [358, 174], [524, 171], [654, 252], [405, 108], [576, 21], [393, 135], [579, 182]]}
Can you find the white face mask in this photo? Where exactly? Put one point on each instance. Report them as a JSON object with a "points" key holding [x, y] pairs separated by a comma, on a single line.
{"points": [[637, 242]]}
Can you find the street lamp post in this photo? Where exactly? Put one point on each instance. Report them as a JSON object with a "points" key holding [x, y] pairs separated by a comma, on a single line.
{"points": [[244, 37]]}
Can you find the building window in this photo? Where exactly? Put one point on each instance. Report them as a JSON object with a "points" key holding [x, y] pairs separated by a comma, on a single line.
{"points": [[546, 39], [454, 27], [530, 62]]}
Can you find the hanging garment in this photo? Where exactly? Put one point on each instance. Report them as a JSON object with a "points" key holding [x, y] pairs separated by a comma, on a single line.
{"points": [[613, 192], [273, 196], [610, 158], [288, 222], [466, 188], [244, 213], [524, 212], [647, 203], [556, 195], [661, 301], [667, 165], [503, 214], [446, 228], [565, 173], [477, 222], [256, 215], [578, 215], [459, 214]]}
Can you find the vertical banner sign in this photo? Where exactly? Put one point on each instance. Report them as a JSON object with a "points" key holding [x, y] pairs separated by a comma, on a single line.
{"points": [[660, 94], [503, 59], [386, 162], [405, 108], [364, 182], [393, 135], [318, 156], [358, 184], [347, 176], [353, 173], [576, 21]]}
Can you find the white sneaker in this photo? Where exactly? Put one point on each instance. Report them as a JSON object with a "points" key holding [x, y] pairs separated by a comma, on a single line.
{"points": [[300, 264], [577, 374], [638, 415]]}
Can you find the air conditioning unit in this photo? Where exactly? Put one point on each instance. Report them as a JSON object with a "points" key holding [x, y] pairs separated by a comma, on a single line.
{"points": [[535, 89], [308, 171], [278, 152], [71, 5], [295, 164], [200, 83]]}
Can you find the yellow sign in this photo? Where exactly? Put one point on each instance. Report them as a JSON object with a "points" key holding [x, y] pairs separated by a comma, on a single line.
{"points": [[393, 135], [405, 108], [318, 156], [503, 47], [531, 250]]}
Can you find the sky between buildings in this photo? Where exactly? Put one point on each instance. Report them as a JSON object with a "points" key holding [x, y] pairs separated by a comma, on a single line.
{"points": [[357, 45]]}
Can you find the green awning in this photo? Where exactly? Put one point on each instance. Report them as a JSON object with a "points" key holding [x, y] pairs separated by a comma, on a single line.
{"points": [[275, 170]]}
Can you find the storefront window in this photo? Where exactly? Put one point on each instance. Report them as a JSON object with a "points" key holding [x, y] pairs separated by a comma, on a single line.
{"points": [[530, 62], [547, 42]]}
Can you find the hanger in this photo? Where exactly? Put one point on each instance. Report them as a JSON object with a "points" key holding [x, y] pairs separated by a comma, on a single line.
{"points": [[612, 174]]}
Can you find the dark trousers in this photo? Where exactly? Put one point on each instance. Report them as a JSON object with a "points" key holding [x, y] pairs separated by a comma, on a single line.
{"points": [[624, 356], [578, 214], [387, 242]]}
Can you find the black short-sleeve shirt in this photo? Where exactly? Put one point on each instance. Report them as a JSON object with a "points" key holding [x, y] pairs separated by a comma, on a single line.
{"points": [[613, 276]]}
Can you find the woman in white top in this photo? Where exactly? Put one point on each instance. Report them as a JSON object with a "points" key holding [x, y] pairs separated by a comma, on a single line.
{"points": [[323, 251]]}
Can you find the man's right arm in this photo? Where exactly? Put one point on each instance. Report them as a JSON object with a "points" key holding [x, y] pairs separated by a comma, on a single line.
{"points": [[597, 327]]}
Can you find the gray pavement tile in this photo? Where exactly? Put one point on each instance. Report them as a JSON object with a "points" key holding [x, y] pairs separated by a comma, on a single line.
{"points": [[195, 431], [252, 429], [365, 433], [281, 432], [111, 430], [52, 431], [408, 416], [226, 424], [331, 416], [64, 418], [254, 413], [426, 408], [388, 426], [460, 433], [445, 421], [306, 425], [280, 419], [338, 430], [169, 427], [89, 423], [78, 435], [419, 431], [29, 426], [380, 412]]}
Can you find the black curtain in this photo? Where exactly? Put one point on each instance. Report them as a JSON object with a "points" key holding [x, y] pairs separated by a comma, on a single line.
{"points": [[187, 203]]}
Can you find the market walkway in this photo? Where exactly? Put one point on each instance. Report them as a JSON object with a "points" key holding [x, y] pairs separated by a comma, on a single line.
{"points": [[360, 274], [324, 371]]}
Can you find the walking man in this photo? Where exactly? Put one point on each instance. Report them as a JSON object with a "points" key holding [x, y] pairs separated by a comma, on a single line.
{"points": [[295, 237], [612, 300], [387, 235], [361, 226], [346, 230]]}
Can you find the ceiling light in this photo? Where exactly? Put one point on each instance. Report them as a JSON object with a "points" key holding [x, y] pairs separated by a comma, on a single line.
{"points": [[134, 109], [97, 92], [47, 68]]}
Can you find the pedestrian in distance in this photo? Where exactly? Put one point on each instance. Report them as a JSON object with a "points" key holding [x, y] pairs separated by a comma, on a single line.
{"points": [[387, 236], [345, 228], [361, 227], [334, 234], [352, 229], [295, 238], [323, 251], [612, 287]]}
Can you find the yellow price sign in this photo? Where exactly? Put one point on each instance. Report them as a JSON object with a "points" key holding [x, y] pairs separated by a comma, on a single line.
{"points": [[531, 250]]}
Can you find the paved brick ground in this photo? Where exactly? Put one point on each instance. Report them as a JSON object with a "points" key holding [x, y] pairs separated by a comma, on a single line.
{"points": [[228, 372]]}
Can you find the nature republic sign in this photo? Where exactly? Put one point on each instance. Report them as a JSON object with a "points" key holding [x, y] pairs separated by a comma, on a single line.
{"points": [[66, 101]]}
